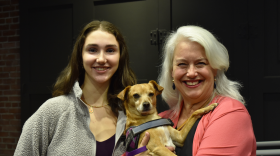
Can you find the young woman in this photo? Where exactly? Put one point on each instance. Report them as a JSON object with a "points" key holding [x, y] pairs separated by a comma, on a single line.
{"points": [[84, 116]]}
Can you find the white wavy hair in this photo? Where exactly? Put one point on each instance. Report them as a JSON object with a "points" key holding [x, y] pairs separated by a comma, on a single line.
{"points": [[216, 54]]}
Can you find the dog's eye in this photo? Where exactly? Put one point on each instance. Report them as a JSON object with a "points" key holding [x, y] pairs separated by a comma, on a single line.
{"points": [[151, 94], [136, 96]]}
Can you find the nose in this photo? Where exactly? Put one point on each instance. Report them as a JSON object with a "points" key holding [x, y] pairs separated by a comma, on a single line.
{"points": [[146, 105], [101, 58], [191, 71]]}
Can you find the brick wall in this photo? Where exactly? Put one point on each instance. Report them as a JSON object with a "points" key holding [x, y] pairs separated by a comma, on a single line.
{"points": [[9, 76]]}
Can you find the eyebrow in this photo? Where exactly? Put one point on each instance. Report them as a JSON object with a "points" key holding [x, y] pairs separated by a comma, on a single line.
{"points": [[183, 60], [96, 45], [202, 59]]}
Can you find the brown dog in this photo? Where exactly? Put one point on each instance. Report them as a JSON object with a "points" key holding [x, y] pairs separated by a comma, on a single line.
{"points": [[140, 106]]}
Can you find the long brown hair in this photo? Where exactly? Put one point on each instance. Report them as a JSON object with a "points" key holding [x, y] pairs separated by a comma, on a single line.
{"points": [[74, 71]]}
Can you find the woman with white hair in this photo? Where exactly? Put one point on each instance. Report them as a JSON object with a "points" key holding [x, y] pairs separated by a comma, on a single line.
{"points": [[193, 76]]}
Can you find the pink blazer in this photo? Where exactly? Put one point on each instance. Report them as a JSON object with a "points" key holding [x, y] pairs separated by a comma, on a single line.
{"points": [[227, 130]]}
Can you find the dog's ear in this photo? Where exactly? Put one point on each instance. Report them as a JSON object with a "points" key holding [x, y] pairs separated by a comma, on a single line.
{"points": [[157, 87], [123, 94]]}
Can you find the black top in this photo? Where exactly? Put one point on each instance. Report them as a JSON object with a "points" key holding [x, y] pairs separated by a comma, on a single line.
{"points": [[106, 147], [186, 150]]}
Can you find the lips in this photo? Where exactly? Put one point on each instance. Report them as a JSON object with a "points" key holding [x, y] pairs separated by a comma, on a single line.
{"points": [[193, 83], [101, 68]]}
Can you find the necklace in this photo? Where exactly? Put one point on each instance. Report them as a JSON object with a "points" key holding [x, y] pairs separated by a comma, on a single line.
{"points": [[90, 110]]}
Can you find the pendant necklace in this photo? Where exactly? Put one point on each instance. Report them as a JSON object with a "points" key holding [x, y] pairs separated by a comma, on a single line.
{"points": [[90, 110]]}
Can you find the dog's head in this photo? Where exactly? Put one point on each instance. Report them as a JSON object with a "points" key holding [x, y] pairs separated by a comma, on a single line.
{"points": [[140, 99]]}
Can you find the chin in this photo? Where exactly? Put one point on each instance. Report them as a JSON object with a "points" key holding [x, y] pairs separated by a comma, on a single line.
{"points": [[194, 95], [101, 79]]}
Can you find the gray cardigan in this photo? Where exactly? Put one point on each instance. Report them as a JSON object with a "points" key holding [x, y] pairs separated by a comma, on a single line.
{"points": [[61, 127]]}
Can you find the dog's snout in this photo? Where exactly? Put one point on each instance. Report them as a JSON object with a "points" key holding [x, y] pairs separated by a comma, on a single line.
{"points": [[146, 105]]}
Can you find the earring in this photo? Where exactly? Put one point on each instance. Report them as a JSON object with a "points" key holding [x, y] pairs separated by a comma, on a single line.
{"points": [[173, 86], [214, 83]]}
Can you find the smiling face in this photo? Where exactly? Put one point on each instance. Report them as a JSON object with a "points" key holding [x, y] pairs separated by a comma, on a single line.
{"points": [[101, 54], [192, 73]]}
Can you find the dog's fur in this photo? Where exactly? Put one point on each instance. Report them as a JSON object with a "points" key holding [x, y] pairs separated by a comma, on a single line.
{"points": [[140, 106]]}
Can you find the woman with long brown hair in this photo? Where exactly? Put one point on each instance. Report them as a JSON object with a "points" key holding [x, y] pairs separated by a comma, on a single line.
{"points": [[84, 117]]}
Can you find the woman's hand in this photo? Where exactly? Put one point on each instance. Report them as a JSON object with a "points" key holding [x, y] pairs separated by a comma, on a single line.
{"points": [[145, 141]]}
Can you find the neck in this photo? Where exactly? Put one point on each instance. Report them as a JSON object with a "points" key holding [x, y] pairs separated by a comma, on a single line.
{"points": [[95, 93], [191, 106]]}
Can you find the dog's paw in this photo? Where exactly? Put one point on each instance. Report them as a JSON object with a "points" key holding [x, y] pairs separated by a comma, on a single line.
{"points": [[210, 107], [205, 110]]}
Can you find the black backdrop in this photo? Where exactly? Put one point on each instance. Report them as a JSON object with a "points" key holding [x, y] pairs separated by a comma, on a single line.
{"points": [[248, 28]]}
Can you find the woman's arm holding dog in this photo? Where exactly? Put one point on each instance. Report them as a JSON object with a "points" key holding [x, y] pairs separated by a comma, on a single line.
{"points": [[145, 141]]}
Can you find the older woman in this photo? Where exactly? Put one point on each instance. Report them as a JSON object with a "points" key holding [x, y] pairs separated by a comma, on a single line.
{"points": [[193, 75]]}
